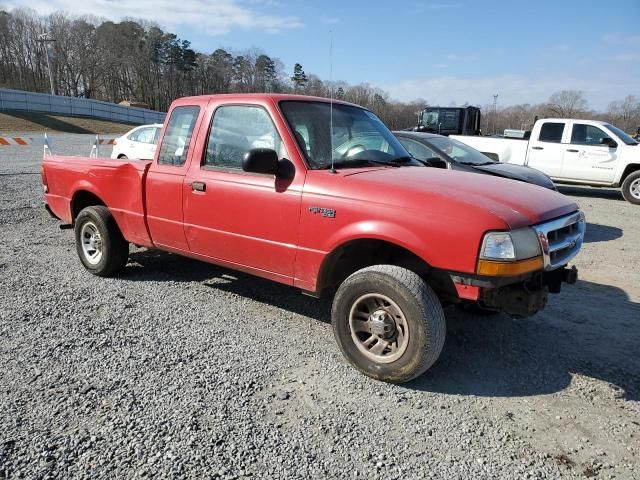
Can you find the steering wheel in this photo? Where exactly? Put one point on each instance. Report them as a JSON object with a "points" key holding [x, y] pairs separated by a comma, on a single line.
{"points": [[353, 150]]}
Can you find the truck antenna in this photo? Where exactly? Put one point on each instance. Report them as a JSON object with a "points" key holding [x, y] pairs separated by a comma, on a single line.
{"points": [[333, 169]]}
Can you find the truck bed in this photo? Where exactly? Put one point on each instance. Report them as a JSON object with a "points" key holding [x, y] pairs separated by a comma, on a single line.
{"points": [[116, 183], [507, 150]]}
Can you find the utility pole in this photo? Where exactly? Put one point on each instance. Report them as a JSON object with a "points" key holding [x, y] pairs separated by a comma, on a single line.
{"points": [[495, 112], [46, 39]]}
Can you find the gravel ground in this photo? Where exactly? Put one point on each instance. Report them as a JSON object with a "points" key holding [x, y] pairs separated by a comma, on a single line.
{"points": [[181, 369]]}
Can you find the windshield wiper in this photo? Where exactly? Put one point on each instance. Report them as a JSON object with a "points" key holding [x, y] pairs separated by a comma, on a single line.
{"points": [[476, 164], [356, 161], [403, 159]]}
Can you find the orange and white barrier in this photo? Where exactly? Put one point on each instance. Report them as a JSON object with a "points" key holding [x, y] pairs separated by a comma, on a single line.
{"points": [[26, 141], [46, 142], [21, 141], [95, 148]]}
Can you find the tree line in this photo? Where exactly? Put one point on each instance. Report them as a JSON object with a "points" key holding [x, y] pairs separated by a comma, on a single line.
{"points": [[139, 61], [624, 114]]}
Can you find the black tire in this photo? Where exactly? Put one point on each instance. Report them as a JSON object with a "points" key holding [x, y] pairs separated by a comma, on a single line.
{"points": [[123, 157], [419, 305], [114, 249], [631, 182]]}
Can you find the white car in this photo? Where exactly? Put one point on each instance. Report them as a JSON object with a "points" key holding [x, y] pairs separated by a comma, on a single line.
{"points": [[139, 143]]}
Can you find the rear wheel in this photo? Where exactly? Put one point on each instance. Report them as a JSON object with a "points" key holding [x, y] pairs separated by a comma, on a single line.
{"points": [[100, 245], [388, 323], [631, 188], [123, 157]]}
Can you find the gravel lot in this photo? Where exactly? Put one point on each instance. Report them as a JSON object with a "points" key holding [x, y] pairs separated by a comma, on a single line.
{"points": [[182, 369]]}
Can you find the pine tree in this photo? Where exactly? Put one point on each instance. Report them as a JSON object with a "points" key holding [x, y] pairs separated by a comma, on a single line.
{"points": [[299, 78]]}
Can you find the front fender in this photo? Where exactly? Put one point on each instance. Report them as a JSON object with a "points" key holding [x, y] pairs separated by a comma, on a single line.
{"points": [[380, 230]]}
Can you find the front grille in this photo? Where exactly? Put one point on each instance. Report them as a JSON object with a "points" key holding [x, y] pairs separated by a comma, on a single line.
{"points": [[561, 239]]}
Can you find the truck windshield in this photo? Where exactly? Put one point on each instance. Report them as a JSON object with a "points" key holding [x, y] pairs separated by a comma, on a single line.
{"points": [[441, 118], [628, 139], [460, 152], [430, 118], [358, 136]]}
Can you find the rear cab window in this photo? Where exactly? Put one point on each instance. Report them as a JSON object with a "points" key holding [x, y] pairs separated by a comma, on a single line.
{"points": [[551, 132], [177, 137]]}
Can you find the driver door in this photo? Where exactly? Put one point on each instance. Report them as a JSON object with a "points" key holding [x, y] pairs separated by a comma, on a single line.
{"points": [[585, 158], [242, 219]]}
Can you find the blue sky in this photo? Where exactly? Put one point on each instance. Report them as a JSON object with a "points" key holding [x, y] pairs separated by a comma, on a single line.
{"points": [[443, 51]]}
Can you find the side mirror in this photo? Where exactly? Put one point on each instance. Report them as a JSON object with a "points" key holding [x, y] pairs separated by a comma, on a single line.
{"points": [[436, 162], [260, 160], [609, 142]]}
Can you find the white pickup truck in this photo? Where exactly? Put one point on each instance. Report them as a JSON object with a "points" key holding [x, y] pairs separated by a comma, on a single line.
{"points": [[581, 152]]}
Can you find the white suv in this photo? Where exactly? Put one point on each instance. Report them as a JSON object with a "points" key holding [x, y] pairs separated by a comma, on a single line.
{"points": [[139, 143]]}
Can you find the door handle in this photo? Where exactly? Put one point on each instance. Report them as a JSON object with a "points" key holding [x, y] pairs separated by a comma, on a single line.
{"points": [[198, 186], [538, 148], [572, 150]]}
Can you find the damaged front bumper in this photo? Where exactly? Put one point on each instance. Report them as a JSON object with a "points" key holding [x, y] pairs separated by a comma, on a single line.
{"points": [[522, 298]]}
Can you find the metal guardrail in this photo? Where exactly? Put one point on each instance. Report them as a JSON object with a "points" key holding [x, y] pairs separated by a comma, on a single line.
{"points": [[76, 107]]}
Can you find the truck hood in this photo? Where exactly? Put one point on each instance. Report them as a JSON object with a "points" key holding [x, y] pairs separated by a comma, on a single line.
{"points": [[518, 204]]}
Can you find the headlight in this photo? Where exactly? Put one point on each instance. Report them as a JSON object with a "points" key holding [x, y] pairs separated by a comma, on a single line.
{"points": [[515, 245], [498, 246], [510, 253]]}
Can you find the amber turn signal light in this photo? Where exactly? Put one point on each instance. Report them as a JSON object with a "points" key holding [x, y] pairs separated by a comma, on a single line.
{"points": [[509, 269]]}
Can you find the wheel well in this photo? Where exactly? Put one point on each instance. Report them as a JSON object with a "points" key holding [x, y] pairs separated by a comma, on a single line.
{"points": [[83, 199], [628, 171], [357, 254]]}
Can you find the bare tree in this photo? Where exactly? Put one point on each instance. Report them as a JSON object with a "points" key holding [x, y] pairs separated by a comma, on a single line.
{"points": [[625, 113], [567, 103]]}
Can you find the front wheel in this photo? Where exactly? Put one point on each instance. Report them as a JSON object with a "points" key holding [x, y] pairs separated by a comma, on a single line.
{"points": [[631, 188], [100, 245], [388, 323]]}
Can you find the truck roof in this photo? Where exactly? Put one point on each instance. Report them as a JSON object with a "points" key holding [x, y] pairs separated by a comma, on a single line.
{"points": [[241, 97], [599, 122]]}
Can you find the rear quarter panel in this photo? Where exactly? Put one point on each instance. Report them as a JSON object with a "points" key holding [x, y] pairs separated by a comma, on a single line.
{"points": [[119, 185]]}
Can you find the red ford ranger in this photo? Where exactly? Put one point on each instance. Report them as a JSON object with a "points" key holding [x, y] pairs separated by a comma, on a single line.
{"points": [[321, 196]]}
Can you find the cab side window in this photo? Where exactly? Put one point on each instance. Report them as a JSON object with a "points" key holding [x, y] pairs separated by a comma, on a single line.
{"points": [[551, 132], [236, 129], [177, 137], [586, 134]]}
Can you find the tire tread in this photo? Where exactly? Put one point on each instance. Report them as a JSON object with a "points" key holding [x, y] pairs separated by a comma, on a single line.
{"points": [[429, 305], [118, 248], [626, 187]]}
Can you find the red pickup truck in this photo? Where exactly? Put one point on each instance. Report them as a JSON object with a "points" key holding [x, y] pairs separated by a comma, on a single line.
{"points": [[321, 196]]}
